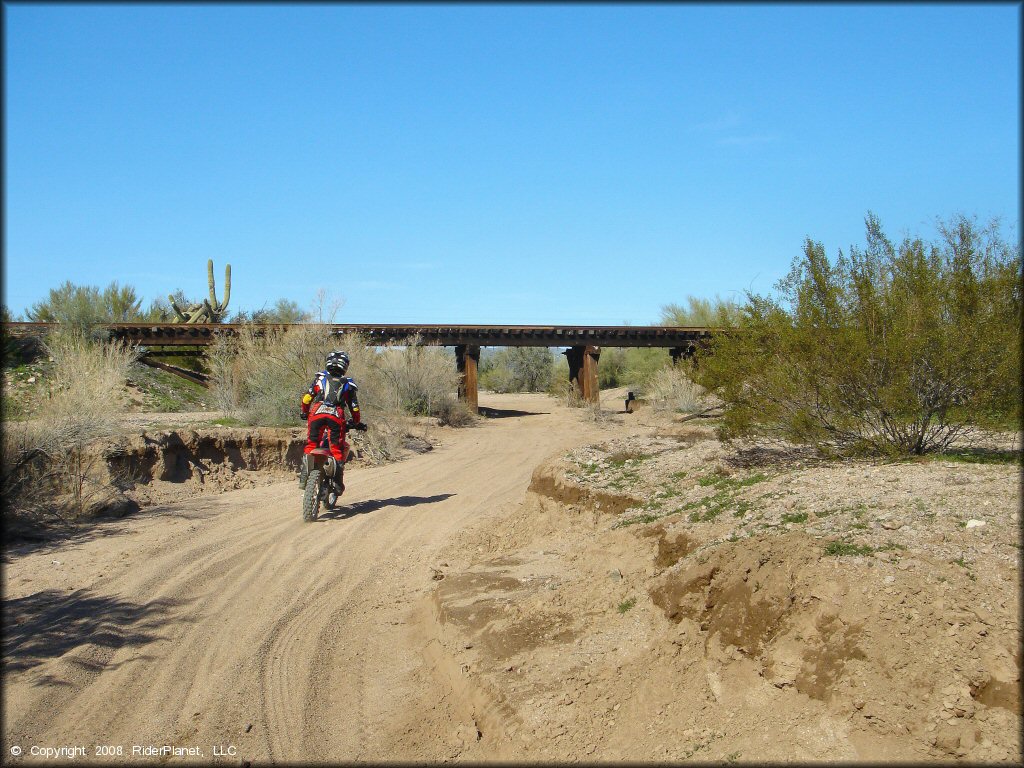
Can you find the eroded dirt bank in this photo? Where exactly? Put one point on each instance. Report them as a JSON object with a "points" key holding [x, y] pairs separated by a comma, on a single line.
{"points": [[172, 465], [157, 466], [751, 608]]}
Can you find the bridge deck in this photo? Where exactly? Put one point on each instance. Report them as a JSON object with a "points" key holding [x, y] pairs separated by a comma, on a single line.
{"points": [[180, 334]]}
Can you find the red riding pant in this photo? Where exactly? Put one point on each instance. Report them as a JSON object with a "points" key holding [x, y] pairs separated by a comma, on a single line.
{"points": [[326, 427]]}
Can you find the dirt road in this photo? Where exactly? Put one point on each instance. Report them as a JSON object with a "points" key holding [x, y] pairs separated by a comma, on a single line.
{"points": [[228, 625]]}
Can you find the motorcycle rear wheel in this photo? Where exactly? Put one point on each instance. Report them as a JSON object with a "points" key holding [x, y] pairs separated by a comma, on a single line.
{"points": [[311, 498]]}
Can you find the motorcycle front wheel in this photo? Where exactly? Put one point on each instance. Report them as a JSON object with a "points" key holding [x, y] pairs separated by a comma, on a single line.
{"points": [[311, 498]]}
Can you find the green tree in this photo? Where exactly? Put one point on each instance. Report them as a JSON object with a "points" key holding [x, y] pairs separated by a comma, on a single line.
{"points": [[159, 311], [894, 349], [517, 369], [82, 307], [715, 312], [120, 303]]}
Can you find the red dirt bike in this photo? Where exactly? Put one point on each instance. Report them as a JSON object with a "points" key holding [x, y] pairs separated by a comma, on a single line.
{"points": [[324, 481]]}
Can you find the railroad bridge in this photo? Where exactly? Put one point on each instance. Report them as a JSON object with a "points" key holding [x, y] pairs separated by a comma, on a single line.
{"points": [[583, 343]]}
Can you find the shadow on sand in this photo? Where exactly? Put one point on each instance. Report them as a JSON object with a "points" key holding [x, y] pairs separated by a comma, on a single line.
{"points": [[50, 623], [372, 505], [499, 413]]}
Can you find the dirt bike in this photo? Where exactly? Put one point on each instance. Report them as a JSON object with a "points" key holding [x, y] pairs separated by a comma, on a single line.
{"points": [[324, 481]]}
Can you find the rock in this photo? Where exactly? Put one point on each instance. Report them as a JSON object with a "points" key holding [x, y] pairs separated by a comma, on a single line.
{"points": [[615, 575], [416, 445], [891, 525], [974, 523], [947, 739]]}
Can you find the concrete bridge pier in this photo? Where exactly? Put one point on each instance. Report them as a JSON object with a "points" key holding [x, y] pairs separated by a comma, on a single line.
{"points": [[467, 358], [583, 371]]}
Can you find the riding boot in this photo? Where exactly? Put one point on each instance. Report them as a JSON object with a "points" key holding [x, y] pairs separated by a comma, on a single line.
{"points": [[304, 470]]}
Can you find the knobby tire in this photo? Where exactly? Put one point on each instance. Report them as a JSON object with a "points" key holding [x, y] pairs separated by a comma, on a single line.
{"points": [[311, 498]]}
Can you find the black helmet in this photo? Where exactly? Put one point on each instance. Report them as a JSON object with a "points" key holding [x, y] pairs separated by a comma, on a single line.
{"points": [[337, 363]]}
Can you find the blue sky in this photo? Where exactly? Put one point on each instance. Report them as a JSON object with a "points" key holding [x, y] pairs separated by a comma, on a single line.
{"points": [[566, 164]]}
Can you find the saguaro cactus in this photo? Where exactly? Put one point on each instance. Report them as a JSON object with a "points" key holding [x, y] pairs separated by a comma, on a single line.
{"points": [[211, 310]]}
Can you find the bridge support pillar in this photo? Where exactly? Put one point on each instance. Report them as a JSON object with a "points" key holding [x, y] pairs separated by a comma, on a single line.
{"points": [[583, 371], [467, 358]]}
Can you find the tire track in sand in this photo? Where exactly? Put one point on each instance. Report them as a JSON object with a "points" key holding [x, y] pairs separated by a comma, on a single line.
{"points": [[297, 630]]}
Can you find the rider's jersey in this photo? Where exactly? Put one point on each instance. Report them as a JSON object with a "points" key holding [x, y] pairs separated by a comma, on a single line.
{"points": [[329, 395]]}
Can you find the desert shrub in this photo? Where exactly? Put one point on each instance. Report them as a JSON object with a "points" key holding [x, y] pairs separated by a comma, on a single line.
{"points": [[517, 369], [636, 367], [893, 349], [560, 383], [80, 308], [497, 378], [673, 389], [50, 469], [283, 311], [642, 365], [452, 412], [221, 360], [259, 379], [632, 367], [86, 394], [415, 379], [612, 367], [716, 312]]}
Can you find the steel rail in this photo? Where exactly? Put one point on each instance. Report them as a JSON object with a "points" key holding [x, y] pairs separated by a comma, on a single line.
{"points": [[194, 335]]}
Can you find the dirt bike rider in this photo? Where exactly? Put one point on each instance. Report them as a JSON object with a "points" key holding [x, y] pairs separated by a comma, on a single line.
{"points": [[323, 408]]}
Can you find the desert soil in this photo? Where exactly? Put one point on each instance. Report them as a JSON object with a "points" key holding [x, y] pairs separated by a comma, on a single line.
{"points": [[545, 586]]}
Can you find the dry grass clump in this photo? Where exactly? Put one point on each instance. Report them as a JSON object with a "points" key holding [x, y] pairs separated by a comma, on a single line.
{"points": [[415, 379], [260, 379], [87, 392], [50, 470], [671, 389], [455, 413]]}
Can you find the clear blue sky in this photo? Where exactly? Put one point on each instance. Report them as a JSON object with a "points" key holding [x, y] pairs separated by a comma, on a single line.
{"points": [[491, 163]]}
